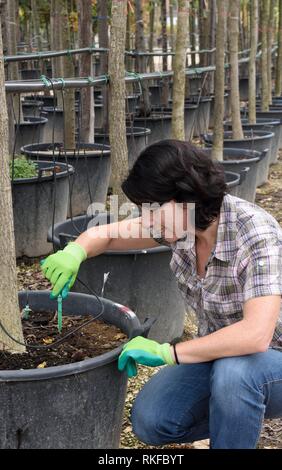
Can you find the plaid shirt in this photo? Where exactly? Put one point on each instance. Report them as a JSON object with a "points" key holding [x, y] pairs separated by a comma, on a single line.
{"points": [[245, 263]]}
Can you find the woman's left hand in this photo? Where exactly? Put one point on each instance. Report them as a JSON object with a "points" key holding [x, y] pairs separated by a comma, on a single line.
{"points": [[144, 351]]}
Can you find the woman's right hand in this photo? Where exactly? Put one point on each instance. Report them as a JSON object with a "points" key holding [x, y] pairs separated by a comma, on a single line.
{"points": [[62, 267]]}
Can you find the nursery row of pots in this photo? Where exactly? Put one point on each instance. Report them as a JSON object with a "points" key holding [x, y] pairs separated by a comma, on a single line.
{"points": [[62, 396]]}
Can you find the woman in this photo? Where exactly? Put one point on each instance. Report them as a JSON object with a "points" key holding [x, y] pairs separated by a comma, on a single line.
{"points": [[223, 383]]}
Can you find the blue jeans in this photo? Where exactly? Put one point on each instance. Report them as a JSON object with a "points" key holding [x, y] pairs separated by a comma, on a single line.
{"points": [[225, 400]]}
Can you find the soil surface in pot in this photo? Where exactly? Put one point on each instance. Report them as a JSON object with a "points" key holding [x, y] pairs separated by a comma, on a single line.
{"points": [[92, 340]]}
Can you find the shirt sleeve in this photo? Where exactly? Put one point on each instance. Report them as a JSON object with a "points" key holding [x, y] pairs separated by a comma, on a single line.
{"points": [[263, 273]]}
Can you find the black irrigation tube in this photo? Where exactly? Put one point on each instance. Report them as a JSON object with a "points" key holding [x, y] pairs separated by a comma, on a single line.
{"points": [[90, 50], [93, 50], [59, 83]]}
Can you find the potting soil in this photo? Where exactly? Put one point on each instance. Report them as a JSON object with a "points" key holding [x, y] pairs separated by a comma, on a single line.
{"points": [[41, 328]]}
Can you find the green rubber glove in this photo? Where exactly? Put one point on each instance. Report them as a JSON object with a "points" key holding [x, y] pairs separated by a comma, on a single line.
{"points": [[62, 267], [144, 351]]}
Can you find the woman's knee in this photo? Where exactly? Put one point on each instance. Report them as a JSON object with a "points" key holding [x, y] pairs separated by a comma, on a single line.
{"points": [[145, 422]]}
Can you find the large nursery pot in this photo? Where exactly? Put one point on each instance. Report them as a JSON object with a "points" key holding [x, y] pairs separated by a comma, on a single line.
{"points": [[141, 279], [275, 114], [56, 122], [190, 115], [32, 107], [226, 97], [233, 181], [48, 100], [29, 131], [155, 92], [260, 141], [236, 160], [92, 166], [244, 87], [35, 201], [202, 114], [30, 74], [159, 124], [136, 138], [269, 125], [73, 406]]}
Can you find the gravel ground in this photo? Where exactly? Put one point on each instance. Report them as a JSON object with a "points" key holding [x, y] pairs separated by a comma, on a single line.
{"points": [[269, 196]]}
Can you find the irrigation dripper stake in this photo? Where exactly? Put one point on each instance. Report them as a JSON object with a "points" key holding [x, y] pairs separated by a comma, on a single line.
{"points": [[60, 313], [26, 312]]}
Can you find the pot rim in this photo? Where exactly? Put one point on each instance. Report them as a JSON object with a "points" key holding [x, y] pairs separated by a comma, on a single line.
{"points": [[22, 375], [30, 150], [66, 170]]}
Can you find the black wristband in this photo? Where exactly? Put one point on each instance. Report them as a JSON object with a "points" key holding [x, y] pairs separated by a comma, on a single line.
{"points": [[175, 353]]}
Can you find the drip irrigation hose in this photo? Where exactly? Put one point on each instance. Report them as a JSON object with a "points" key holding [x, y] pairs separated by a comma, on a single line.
{"points": [[70, 333]]}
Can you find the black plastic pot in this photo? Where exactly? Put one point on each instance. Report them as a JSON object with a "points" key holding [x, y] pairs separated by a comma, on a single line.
{"points": [[264, 125], [195, 84], [56, 122], [159, 125], [34, 200], [30, 74], [259, 141], [32, 107], [141, 279], [244, 87], [47, 100], [190, 115], [202, 114], [73, 406], [226, 98], [29, 131], [237, 160], [92, 166], [233, 181], [131, 102], [155, 94], [272, 114], [137, 139]]}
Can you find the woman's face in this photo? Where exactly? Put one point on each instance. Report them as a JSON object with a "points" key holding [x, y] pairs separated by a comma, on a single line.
{"points": [[171, 221]]}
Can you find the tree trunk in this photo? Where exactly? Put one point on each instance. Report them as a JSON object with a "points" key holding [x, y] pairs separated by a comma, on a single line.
{"points": [[15, 112], [270, 36], [233, 26], [119, 152], [9, 312], [278, 83], [193, 10], [56, 39], [178, 130], [152, 34], [264, 68], [128, 58], [36, 23], [252, 62], [165, 81], [204, 31], [103, 25], [212, 33], [217, 151], [85, 70], [172, 33], [140, 64], [164, 32]]}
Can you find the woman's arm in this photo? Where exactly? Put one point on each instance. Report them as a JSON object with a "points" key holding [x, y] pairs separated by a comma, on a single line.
{"points": [[251, 335], [124, 235]]}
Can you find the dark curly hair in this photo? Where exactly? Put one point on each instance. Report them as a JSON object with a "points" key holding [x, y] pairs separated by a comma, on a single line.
{"points": [[177, 170]]}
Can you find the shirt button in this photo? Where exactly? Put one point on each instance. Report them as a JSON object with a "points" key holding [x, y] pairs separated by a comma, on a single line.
{"points": [[261, 263]]}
